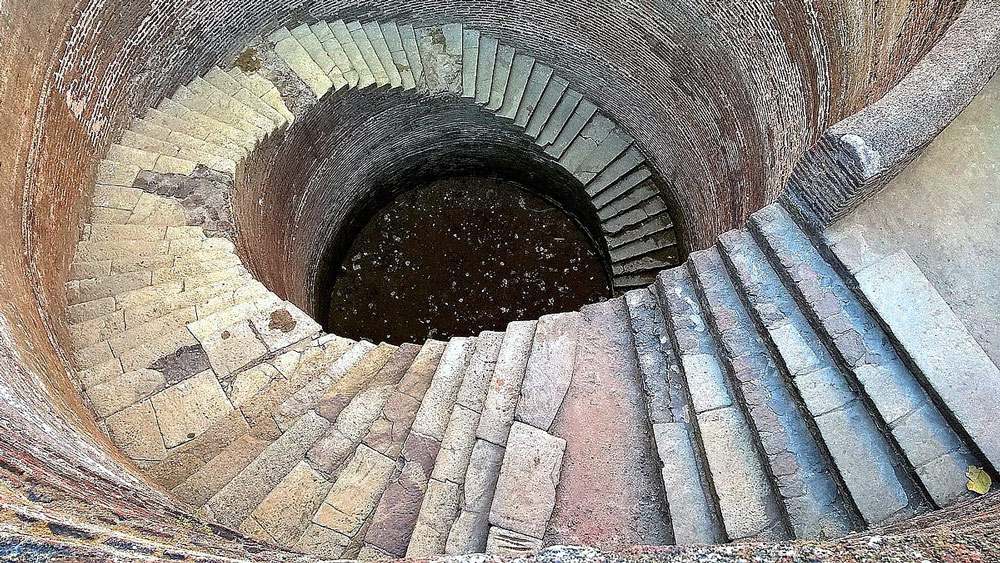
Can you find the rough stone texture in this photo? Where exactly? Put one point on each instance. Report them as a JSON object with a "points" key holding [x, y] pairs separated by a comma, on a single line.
{"points": [[204, 195], [665, 397], [135, 431], [188, 408], [355, 494], [437, 513], [957, 368], [286, 511], [505, 385], [435, 409], [549, 369], [508, 544], [197, 489], [355, 380], [468, 533], [692, 512], [610, 493], [526, 489]]}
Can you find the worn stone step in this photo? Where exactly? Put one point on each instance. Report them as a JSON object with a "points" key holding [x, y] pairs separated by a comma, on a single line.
{"points": [[560, 116], [648, 245], [216, 98], [606, 186], [409, 38], [658, 225], [488, 48], [470, 61], [505, 385], [471, 527], [314, 47], [443, 498], [152, 145], [180, 135], [221, 109], [923, 434], [605, 398], [368, 53], [286, 512], [546, 106], [238, 498], [746, 497], [297, 58], [337, 53], [399, 507], [263, 89], [219, 132], [653, 260], [441, 52], [961, 377], [238, 87], [625, 283], [306, 398], [374, 32], [666, 398], [631, 190], [535, 88], [501, 76], [526, 490], [354, 421], [218, 471], [549, 369], [394, 42], [582, 115], [517, 83], [594, 150], [803, 472], [358, 378], [865, 461], [636, 216]]}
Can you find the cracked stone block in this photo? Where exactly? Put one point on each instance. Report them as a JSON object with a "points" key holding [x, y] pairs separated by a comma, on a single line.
{"points": [[287, 510], [824, 390], [435, 409], [136, 432], [456, 448], [232, 347], [468, 534], [284, 326], [505, 543], [248, 383], [475, 384], [504, 389], [213, 475], [320, 541], [797, 354], [549, 369], [437, 514], [356, 493], [124, 390], [526, 489], [190, 407], [182, 364]]}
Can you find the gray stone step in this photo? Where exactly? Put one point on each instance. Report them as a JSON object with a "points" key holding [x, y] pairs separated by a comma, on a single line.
{"points": [[549, 369], [538, 80], [367, 50], [635, 216], [520, 73], [298, 59], [928, 442], [343, 36], [501, 76], [394, 41], [505, 385], [630, 191], [553, 92], [592, 163], [643, 246], [230, 86], [470, 62], [650, 261], [488, 47], [802, 470], [610, 176], [655, 226], [593, 134], [409, 38], [693, 514], [561, 114], [311, 43], [374, 32], [865, 460], [336, 52], [962, 377], [747, 500], [582, 115]]}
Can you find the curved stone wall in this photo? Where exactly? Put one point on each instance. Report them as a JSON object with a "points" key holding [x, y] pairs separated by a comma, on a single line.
{"points": [[723, 111]]}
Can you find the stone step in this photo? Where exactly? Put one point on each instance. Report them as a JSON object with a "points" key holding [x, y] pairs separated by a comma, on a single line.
{"points": [[286, 512], [344, 36], [803, 472], [367, 50], [517, 83], [641, 247], [263, 89], [441, 52], [317, 52], [629, 192], [238, 87], [200, 98], [360, 377], [561, 115], [470, 62], [152, 145], [746, 496], [959, 376], [355, 420], [219, 131], [636, 216], [298, 60], [485, 68], [619, 475], [551, 96], [244, 493], [582, 115], [538, 82], [187, 459], [658, 225], [305, 398], [526, 489], [608, 179], [218, 98], [443, 498], [409, 38], [549, 369], [598, 145], [402, 64], [866, 462], [183, 141], [396, 513], [501, 76], [375, 36], [915, 422], [652, 261], [625, 283], [337, 53]]}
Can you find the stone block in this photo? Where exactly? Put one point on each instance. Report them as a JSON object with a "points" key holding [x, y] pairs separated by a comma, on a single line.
{"points": [[505, 385], [135, 431], [356, 493], [824, 390], [691, 511], [526, 489], [437, 514], [549, 369], [283, 326], [475, 384], [435, 409], [456, 448], [508, 544], [122, 391], [797, 354], [190, 407], [197, 489], [287, 510], [706, 382], [468, 534]]}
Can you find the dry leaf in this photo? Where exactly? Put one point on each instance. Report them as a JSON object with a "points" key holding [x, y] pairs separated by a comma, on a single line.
{"points": [[979, 480]]}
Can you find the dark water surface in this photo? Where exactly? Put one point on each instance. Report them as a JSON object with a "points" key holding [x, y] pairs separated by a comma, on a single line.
{"points": [[458, 257]]}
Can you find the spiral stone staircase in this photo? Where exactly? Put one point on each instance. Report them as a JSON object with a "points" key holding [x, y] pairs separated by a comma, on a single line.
{"points": [[759, 385]]}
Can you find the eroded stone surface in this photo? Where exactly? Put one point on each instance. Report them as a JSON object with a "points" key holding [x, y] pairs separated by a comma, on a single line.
{"points": [[549, 369], [526, 489]]}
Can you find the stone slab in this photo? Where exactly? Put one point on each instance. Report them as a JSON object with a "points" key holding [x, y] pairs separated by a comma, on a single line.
{"points": [[692, 512], [526, 489], [468, 534], [505, 385], [439, 400], [549, 369], [190, 407], [706, 382]]}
